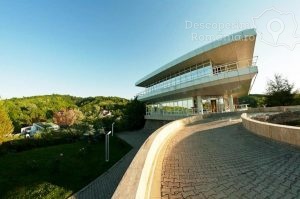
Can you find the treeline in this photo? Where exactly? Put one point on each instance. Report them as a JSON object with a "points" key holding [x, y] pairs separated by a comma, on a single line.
{"points": [[279, 92], [253, 100], [261, 100], [99, 111]]}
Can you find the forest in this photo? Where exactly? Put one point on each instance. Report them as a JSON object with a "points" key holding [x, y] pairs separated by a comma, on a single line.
{"points": [[97, 111]]}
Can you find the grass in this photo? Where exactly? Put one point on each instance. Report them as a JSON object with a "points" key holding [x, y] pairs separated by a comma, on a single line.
{"points": [[56, 171]]}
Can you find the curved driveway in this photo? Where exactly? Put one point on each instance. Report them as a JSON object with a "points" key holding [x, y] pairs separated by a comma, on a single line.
{"points": [[221, 159]]}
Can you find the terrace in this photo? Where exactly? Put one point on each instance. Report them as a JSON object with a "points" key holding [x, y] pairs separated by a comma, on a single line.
{"points": [[199, 74]]}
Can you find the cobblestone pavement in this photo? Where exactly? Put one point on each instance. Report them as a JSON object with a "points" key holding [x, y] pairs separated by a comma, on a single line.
{"points": [[228, 162]]}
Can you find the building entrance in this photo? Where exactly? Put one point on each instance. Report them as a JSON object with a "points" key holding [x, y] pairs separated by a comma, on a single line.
{"points": [[213, 106]]}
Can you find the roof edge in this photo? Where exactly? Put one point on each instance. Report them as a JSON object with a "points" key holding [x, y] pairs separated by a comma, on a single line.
{"points": [[238, 36]]}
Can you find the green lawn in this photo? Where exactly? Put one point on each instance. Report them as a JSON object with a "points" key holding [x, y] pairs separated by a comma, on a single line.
{"points": [[56, 171]]}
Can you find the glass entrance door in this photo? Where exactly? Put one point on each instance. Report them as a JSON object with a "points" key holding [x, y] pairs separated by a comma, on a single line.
{"points": [[213, 106]]}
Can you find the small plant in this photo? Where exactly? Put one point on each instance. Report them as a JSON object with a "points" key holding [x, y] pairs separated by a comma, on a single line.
{"points": [[38, 135]]}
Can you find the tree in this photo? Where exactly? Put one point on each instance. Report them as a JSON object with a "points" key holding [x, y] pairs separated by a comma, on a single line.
{"points": [[251, 101], [6, 126], [134, 114], [66, 117], [279, 91]]}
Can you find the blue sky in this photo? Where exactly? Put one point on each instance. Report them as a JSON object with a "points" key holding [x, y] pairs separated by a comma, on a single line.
{"points": [[92, 48]]}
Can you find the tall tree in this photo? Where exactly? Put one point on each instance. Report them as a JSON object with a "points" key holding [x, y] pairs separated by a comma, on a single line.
{"points": [[134, 114], [6, 126], [279, 91]]}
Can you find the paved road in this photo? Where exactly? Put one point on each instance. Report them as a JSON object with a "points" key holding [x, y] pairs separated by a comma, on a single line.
{"points": [[223, 160]]}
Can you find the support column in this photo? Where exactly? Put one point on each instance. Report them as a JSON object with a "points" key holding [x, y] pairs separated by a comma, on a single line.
{"points": [[159, 108], [231, 105], [221, 104], [218, 104], [199, 105], [173, 108]]}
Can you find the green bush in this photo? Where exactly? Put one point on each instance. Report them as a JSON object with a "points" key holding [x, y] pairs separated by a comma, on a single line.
{"points": [[27, 144], [49, 138], [41, 139]]}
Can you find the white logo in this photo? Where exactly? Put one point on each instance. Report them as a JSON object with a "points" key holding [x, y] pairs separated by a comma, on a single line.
{"points": [[277, 28]]}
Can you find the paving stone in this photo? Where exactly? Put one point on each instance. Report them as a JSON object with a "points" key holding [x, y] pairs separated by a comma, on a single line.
{"points": [[166, 190], [174, 184], [289, 196], [188, 188], [178, 196], [176, 190], [220, 195], [231, 162], [186, 194]]}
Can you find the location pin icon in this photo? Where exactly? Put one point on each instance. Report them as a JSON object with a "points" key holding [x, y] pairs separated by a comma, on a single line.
{"points": [[275, 33]]}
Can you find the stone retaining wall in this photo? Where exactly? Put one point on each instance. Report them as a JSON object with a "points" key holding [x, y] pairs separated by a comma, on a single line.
{"points": [[283, 133]]}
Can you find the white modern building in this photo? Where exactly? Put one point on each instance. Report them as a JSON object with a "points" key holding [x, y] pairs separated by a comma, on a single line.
{"points": [[208, 79], [42, 126]]}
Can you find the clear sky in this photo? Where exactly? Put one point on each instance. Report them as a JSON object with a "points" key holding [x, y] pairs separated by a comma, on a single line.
{"points": [[91, 48]]}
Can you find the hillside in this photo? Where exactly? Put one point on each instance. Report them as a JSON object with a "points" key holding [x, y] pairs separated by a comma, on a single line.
{"points": [[27, 110]]}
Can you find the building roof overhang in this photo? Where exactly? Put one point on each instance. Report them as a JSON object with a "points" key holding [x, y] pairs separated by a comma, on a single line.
{"points": [[231, 48]]}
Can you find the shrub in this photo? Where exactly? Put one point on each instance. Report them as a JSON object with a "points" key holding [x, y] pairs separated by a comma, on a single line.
{"points": [[39, 140], [48, 138]]}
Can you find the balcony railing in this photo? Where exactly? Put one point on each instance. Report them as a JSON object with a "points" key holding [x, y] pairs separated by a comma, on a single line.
{"points": [[196, 72]]}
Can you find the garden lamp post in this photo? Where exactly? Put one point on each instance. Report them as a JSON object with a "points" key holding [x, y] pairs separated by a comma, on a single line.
{"points": [[107, 146], [112, 128]]}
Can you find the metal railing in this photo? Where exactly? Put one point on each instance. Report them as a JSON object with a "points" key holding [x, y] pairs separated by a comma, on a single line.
{"points": [[196, 72], [185, 111]]}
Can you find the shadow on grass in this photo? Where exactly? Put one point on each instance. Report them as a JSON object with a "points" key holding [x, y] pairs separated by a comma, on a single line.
{"points": [[56, 171]]}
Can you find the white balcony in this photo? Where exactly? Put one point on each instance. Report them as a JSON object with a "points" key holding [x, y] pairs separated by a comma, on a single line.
{"points": [[201, 76]]}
